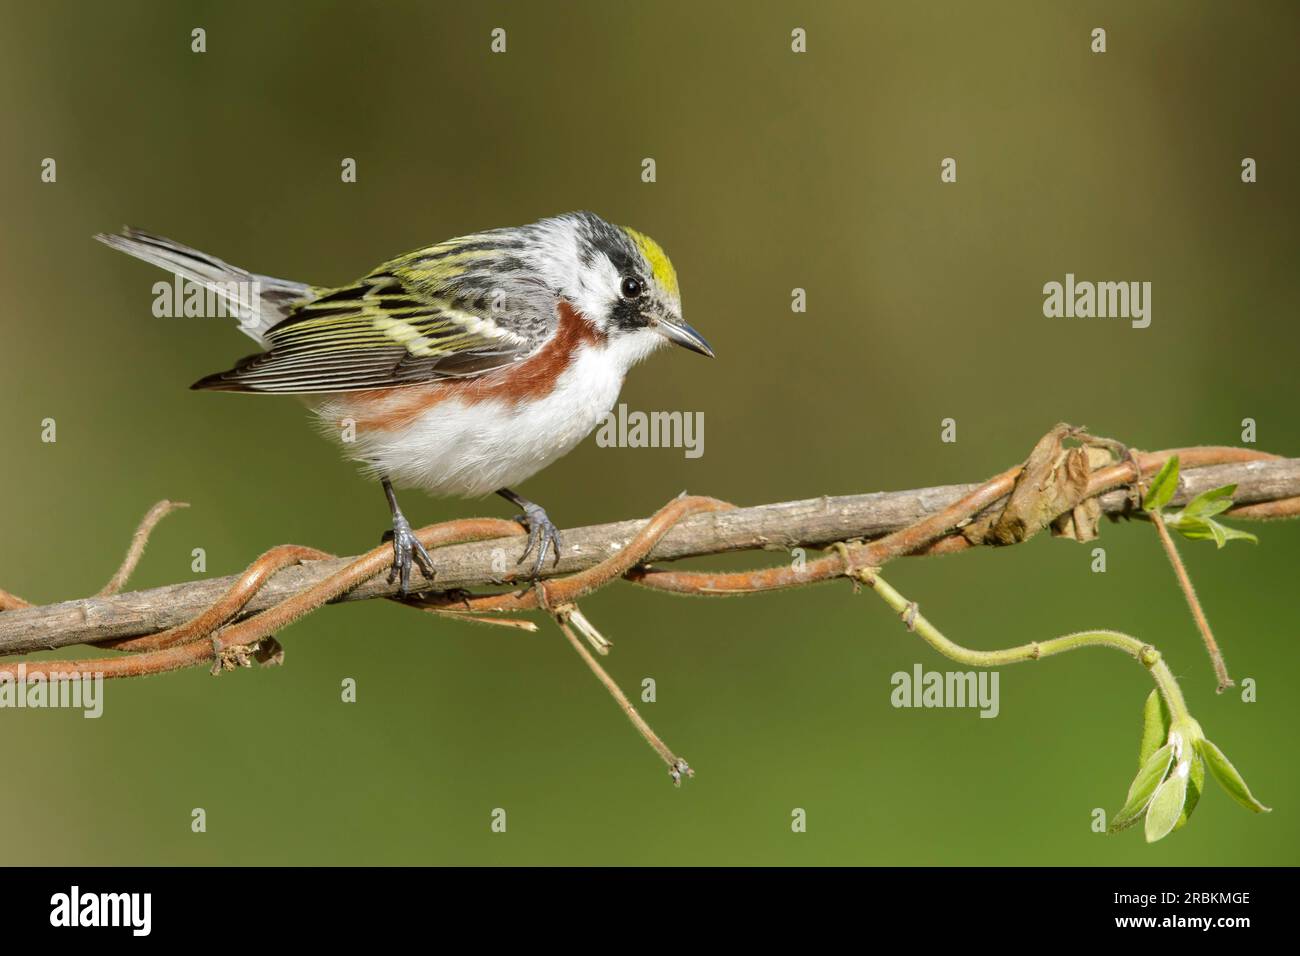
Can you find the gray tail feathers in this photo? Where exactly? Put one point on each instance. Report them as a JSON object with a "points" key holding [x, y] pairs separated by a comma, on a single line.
{"points": [[259, 302]]}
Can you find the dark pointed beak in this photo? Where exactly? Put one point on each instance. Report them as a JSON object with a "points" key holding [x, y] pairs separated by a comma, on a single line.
{"points": [[680, 333]]}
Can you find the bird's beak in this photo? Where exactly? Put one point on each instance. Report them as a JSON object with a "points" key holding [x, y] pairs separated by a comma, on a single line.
{"points": [[680, 333]]}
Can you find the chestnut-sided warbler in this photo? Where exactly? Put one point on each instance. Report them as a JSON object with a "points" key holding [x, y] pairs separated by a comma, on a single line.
{"points": [[461, 368]]}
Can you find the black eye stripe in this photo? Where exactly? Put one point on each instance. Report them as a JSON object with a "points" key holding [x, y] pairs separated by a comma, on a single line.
{"points": [[631, 287], [626, 316]]}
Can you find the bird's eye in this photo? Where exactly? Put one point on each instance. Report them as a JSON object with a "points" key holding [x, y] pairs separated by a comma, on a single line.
{"points": [[632, 287]]}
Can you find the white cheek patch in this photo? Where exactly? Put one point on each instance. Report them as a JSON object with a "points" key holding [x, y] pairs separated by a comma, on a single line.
{"points": [[592, 288], [600, 291]]}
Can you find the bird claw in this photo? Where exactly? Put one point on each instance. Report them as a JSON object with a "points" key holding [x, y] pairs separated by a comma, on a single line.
{"points": [[406, 548], [543, 536]]}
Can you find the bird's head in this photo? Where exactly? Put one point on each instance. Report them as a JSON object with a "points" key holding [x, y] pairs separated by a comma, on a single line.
{"points": [[621, 281]]}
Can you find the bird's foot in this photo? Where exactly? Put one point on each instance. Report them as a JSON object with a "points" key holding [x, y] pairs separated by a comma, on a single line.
{"points": [[406, 549], [543, 536]]}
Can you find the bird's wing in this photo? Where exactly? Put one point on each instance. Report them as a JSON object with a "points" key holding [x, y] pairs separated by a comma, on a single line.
{"points": [[428, 315]]}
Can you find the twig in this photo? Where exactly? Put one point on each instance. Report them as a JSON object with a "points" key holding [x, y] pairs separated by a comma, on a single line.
{"points": [[230, 604], [1193, 602], [1203, 472], [138, 540], [676, 765], [233, 643], [1148, 656], [812, 523], [1185, 583], [1035, 496]]}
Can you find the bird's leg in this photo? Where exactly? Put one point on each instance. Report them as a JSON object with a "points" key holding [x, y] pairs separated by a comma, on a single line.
{"points": [[405, 545], [542, 534]]}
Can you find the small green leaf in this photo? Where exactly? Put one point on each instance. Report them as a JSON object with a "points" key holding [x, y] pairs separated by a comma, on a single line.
{"points": [[1163, 486], [1195, 784], [1155, 727], [1167, 803], [1189, 526], [1142, 788], [1201, 529], [1210, 503], [1224, 772], [1233, 534]]}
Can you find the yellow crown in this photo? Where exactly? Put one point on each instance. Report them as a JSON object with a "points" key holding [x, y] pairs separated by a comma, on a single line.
{"points": [[660, 266]]}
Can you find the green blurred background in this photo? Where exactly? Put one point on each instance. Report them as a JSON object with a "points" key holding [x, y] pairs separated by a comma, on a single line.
{"points": [[775, 171]]}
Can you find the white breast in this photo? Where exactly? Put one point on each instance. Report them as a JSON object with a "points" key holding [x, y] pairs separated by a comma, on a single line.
{"points": [[458, 448]]}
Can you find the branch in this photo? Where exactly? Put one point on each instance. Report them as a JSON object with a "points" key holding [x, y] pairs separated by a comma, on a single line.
{"points": [[914, 521]]}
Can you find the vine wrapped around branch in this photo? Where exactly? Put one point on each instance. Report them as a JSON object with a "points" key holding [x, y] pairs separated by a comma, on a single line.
{"points": [[231, 622], [1267, 487]]}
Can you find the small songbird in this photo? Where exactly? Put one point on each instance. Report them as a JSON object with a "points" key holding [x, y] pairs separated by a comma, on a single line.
{"points": [[462, 368]]}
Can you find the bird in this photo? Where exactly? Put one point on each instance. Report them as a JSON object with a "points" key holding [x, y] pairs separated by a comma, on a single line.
{"points": [[462, 368]]}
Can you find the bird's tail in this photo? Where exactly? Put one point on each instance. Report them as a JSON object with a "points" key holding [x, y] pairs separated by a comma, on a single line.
{"points": [[259, 301]]}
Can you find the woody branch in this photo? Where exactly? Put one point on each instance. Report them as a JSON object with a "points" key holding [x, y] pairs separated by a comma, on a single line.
{"points": [[917, 521]]}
